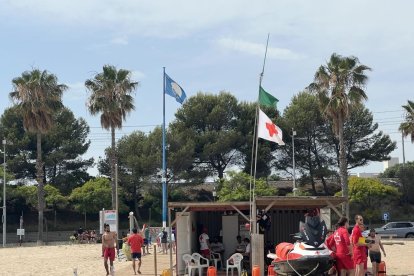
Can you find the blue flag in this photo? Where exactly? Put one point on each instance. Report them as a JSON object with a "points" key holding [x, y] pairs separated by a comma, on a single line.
{"points": [[174, 90]]}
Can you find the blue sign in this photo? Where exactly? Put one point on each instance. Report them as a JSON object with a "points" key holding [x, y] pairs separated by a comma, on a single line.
{"points": [[386, 216]]}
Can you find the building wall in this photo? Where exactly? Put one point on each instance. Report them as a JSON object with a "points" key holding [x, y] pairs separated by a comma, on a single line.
{"points": [[389, 163], [284, 223]]}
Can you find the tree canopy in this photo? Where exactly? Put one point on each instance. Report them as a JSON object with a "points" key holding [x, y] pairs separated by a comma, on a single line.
{"points": [[339, 86], [111, 96], [407, 127], [62, 148], [237, 187]]}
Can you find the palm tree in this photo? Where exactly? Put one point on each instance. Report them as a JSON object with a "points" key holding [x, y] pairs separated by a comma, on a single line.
{"points": [[407, 127], [339, 86], [38, 97], [111, 96]]}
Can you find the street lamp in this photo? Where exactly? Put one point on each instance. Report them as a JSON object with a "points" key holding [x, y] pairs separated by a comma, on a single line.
{"points": [[293, 161], [4, 191]]}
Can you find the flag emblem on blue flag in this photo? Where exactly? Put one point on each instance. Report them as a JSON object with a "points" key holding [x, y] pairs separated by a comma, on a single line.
{"points": [[174, 90]]}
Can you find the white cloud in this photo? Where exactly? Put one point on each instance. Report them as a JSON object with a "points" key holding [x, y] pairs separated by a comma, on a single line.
{"points": [[137, 75], [257, 49], [319, 20], [120, 40]]}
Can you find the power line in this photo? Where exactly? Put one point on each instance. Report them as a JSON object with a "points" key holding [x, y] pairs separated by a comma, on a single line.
{"points": [[387, 111], [130, 126]]}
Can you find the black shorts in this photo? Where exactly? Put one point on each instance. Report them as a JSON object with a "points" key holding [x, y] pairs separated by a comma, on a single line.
{"points": [[145, 241], [375, 257], [136, 256]]}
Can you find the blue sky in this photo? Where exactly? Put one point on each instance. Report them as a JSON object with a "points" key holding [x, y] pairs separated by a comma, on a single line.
{"points": [[210, 46]]}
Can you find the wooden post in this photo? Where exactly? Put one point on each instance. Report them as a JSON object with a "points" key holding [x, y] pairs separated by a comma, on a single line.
{"points": [[155, 260]]}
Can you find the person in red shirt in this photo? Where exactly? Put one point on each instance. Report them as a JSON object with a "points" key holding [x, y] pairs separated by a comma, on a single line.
{"points": [[330, 244], [343, 254], [136, 241], [360, 249]]}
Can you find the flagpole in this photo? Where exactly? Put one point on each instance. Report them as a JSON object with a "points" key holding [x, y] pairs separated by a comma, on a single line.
{"points": [[254, 152], [164, 162]]}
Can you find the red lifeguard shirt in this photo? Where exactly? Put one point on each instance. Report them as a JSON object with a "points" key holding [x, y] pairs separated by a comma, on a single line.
{"points": [[136, 242], [330, 243], [342, 241], [356, 234]]}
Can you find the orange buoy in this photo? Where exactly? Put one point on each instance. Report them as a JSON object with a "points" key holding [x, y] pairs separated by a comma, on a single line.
{"points": [[271, 270], [211, 271], [256, 270], [382, 269]]}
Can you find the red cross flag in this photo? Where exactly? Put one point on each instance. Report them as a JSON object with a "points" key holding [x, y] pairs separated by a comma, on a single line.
{"points": [[267, 130]]}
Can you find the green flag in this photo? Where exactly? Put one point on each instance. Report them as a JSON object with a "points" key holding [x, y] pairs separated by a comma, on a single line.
{"points": [[266, 98]]}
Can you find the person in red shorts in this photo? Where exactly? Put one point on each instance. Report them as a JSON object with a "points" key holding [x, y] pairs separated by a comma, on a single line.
{"points": [[136, 241], [360, 249], [109, 243], [343, 255]]}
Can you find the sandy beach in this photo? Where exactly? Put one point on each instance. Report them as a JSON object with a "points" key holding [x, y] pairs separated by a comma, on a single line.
{"points": [[60, 260]]}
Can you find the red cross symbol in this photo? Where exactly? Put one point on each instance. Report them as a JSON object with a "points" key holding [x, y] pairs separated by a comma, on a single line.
{"points": [[272, 129]]}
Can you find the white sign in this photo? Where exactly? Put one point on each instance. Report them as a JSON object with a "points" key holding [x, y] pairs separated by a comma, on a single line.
{"points": [[20, 232], [109, 217], [386, 216]]}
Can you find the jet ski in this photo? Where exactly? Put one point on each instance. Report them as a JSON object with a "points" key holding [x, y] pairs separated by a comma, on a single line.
{"points": [[308, 255]]}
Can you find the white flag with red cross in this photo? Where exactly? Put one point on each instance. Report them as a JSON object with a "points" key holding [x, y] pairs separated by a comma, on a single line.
{"points": [[267, 130]]}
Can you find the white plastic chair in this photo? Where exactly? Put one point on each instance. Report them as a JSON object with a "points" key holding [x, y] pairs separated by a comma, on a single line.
{"points": [[201, 262], [216, 258], [189, 264], [237, 259]]}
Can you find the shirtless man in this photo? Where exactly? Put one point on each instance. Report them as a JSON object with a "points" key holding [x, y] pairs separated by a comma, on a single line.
{"points": [[109, 244]]}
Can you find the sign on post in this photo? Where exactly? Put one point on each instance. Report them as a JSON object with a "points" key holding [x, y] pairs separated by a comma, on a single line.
{"points": [[386, 216], [109, 217]]}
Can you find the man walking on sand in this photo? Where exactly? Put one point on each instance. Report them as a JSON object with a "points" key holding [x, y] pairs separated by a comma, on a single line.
{"points": [[109, 243], [136, 241]]}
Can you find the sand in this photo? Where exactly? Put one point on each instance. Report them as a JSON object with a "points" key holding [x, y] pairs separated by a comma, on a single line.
{"points": [[60, 260]]}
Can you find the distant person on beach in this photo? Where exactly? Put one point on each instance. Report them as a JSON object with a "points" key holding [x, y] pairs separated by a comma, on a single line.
{"points": [[109, 244], [374, 250], [136, 241], [164, 240], [147, 237], [173, 240]]}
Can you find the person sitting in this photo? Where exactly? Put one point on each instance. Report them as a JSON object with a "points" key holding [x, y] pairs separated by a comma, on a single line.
{"points": [[240, 246], [216, 246], [93, 236], [246, 254]]}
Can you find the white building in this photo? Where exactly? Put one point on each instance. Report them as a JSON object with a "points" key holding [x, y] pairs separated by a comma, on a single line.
{"points": [[392, 162]]}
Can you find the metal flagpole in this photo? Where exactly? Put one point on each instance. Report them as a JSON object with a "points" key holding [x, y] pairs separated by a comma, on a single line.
{"points": [[293, 162], [164, 162], [4, 193], [254, 153]]}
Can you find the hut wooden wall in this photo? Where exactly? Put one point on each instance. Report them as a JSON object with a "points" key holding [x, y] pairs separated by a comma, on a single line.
{"points": [[284, 223]]}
